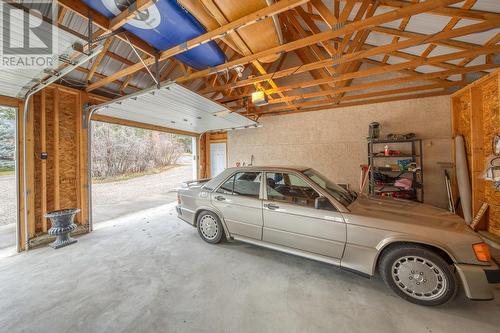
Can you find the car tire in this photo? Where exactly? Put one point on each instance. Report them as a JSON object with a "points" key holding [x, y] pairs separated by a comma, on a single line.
{"points": [[210, 227], [418, 275]]}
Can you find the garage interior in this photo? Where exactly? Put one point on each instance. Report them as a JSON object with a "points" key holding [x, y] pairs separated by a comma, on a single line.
{"points": [[257, 82]]}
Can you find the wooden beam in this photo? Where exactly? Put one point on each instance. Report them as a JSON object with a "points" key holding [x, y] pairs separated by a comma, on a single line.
{"points": [[441, 11], [61, 14], [173, 64], [456, 44], [30, 150], [118, 82], [207, 37], [9, 101], [355, 26], [130, 123], [325, 13], [371, 52], [240, 43], [447, 11], [392, 68], [450, 25], [355, 103], [99, 58], [56, 140], [103, 23], [402, 27], [382, 83], [409, 77], [129, 13], [368, 95], [494, 40], [43, 147]]}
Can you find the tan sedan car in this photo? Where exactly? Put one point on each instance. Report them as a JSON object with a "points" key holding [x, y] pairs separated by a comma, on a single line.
{"points": [[421, 252]]}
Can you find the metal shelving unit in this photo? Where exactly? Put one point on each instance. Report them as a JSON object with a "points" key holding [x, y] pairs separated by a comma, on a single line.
{"points": [[412, 150]]}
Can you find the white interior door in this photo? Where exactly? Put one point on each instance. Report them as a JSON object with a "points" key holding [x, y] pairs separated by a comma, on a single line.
{"points": [[217, 158]]}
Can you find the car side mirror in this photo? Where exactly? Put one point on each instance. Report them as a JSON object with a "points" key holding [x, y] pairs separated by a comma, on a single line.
{"points": [[321, 203]]}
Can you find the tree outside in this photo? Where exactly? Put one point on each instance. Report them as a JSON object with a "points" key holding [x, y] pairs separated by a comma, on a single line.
{"points": [[7, 139], [124, 151]]}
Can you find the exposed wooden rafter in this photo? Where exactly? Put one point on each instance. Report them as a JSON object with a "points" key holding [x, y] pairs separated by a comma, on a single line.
{"points": [[207, 37], [331, 41]]}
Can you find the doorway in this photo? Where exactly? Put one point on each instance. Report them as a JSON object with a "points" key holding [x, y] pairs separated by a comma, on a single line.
{"points": [[218, 158], [8, 192]]}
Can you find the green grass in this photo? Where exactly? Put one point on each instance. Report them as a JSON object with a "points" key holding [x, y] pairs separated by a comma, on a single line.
{"points": [[7, 172], [128, 176]]}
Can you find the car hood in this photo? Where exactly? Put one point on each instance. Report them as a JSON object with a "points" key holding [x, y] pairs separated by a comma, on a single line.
{"points": [[407, 212]]}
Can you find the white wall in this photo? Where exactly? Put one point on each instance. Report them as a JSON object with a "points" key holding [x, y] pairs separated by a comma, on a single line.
{"points": [[334, 141]]}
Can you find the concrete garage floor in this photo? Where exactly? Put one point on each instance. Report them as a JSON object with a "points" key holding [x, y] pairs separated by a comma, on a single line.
{"points": [[150, 272]]}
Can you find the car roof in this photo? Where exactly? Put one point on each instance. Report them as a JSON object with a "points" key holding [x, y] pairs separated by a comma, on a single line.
{"points": [[214, 182], [271, 167]]}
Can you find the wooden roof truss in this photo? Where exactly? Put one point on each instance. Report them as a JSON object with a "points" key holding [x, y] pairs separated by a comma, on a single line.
{"points": [[329, 41]]}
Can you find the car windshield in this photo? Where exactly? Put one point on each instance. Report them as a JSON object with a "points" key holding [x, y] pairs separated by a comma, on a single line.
{"points": [[345, 197]]}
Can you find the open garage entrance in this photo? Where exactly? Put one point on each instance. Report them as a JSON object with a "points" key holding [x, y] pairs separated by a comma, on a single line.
{"points": [[134, 169], [144, 146], [8, 201]]}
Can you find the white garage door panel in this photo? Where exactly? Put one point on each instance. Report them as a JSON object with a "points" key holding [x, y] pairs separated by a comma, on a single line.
{"points": [[176, 107]]}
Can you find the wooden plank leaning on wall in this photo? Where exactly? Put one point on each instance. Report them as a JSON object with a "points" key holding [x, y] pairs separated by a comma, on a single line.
{"points": [[476, 116]]}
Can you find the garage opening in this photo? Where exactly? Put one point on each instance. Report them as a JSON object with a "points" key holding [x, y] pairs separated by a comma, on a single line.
{"points": [[135, 169], [8, 202]]}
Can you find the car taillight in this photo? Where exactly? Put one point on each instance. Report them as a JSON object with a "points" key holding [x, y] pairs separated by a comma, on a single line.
{"points": [[482, 251], [178, 198]]}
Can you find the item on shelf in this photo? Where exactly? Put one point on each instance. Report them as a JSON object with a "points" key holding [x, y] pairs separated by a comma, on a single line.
{"points": [[396, 137], [378, 176], [403, 164], [409, 136], [386, 168], [413, 167], [397, 177], [405, 183], [374, 130], [394, 167], [388, 152]]}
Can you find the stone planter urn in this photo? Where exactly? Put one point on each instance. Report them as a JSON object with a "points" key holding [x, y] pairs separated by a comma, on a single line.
{"points": [[62, 225]]}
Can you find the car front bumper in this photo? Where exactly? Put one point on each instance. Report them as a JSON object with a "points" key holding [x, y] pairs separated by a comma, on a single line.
{"points": [[477, 280]]}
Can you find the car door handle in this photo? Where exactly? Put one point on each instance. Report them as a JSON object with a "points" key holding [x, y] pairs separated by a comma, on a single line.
{"points": [[220, 198], [271, 206]]}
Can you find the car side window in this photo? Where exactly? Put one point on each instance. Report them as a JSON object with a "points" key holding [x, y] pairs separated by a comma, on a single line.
{"points": [[287, 187], [227, 187], [242, 183]]}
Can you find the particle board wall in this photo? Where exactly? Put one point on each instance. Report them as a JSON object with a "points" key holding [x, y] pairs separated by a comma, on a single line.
{"points": [[476, 116], [58, 182], [334, 141]]}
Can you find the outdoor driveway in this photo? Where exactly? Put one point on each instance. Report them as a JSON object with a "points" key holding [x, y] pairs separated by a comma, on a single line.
{"points": [[114, 199], [7, 200], [7, 211]]}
